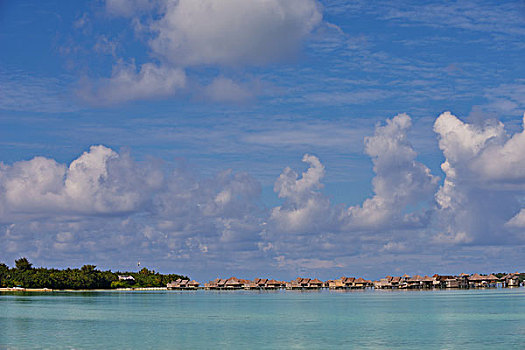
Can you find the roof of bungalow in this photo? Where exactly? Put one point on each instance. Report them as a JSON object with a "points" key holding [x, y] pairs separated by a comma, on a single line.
{"points": [[427, 279], [415, 278], [491, 277], [273, 282], [396, 279], [232, 281], [316, 281], [193, 283], [477, 277], [362, 280], [443, 277]]}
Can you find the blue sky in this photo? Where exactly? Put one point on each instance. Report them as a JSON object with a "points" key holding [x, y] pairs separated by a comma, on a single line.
{"points": [[173, 132]]}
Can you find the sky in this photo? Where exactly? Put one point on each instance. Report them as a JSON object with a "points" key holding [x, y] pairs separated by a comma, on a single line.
{"points": [[263, 138]]}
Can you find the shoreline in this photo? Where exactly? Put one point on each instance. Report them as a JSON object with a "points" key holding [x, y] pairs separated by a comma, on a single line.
{"points": [[312, 290], [39, 290]]}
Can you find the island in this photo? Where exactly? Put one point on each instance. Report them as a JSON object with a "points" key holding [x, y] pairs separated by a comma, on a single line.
{"points": [[26, 277]]}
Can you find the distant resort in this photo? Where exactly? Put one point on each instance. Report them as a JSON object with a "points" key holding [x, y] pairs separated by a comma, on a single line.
{"points": [[25, 277], [462, 281]]}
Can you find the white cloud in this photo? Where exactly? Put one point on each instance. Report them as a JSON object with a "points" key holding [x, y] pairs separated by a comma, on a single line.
{"points": [[98, 182], [485, 178], [305, 209], [185, 33], [105, 203], [126, 84], [225, 32], [518, 221], [400, 180], [307, 225]]}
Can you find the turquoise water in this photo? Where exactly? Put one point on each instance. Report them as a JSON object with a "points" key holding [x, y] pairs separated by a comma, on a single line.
{"points": [[470, 319]]}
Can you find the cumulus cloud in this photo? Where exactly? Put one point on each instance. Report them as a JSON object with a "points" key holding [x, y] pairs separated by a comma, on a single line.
{"points": [[126, 83], [304, 208], [99, 181], [400, 180], [193, 32], [308, 226], [105, 203], [185, 33], [485, 178]]}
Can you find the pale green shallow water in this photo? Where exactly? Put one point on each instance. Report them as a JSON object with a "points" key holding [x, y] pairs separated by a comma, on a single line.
{"points": [[470, 319]]}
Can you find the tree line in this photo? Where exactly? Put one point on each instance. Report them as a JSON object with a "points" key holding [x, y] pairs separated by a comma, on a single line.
{"points": [[87, 277]]}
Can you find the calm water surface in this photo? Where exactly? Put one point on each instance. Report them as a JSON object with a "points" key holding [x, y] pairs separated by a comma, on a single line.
{"points": [[470, 319]]}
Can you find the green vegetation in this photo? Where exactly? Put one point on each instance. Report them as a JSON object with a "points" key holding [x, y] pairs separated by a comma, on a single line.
{"points": [[87, 277]]}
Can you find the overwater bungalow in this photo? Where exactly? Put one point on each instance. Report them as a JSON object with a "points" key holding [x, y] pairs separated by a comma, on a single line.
{"points": [[482, 281], [210, 285], [511, 280], [315, 284], [233, 283], [414, 282], [384, 283], [193, 284], [493, 280], [303, 283], [250, 285], [389, 282], [182, 284], [452, 282], [215, 284], [341, 283], [261, 282], [335, 284], [362, 283], [395, 281], [273, 284], [348, 282]]}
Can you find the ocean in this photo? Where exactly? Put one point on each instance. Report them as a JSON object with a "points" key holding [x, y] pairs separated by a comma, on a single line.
{"points": [[438, 319]]}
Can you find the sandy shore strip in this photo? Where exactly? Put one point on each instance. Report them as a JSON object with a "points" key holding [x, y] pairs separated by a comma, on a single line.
{"points": [[19, 289]]}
